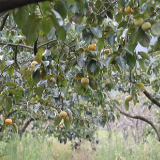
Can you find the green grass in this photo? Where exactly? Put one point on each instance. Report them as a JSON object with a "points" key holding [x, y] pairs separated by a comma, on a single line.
{"points": [[110, 147]]}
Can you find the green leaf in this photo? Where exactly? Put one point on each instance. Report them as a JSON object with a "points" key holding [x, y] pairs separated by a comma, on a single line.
{"points": [[57, 19], [61, 8], [20, 16], [1, 99], [136, 35], [128, 51], [93, 84], [145, 40], [127, 105], [110, 14], [71, 1], [121, 3], [87, 35], [92, 65], [67, 26], [79, 27], [95, 73], [81, 122], [122, 24], [67, 124], [121, 60], [31, 30], [97, 31], [102, 121], [111, 39], [144, 7], [36, 76], [144, 55], [46, 26], [61, 33], [155, 29], [26, 91], [109, 60], [79, 88], [131, 60], [44, 6], [101, 43], [8, 104], [57, 120], [51, 33], [119, 17], [81, 4], [142, 64]]}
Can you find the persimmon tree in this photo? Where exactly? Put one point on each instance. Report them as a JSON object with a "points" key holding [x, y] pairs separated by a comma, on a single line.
{"points": [[44, 55]]}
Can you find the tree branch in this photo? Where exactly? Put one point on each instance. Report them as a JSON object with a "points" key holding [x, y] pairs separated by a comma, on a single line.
{"points": [[10, 113], [143, 119], [4, 21], [11, 4], [46, 43], [151, 98], [16, 45], [15, 57], [26, 125], [25, 46]]}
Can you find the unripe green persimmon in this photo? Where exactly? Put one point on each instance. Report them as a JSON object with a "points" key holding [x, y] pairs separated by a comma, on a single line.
{"points": [[146, 26], [63, 115], [138, 22], [128, 98], [85, 81]]}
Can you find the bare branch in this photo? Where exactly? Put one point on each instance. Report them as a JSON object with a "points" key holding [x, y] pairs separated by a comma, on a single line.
{"points": [[151, 98], [16, 45], [26, 125], [15, 57], [143, 119], [46, 43]]}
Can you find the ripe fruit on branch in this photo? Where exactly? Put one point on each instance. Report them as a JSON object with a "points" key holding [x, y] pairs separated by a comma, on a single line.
{"points": [[129, 10], [63, 115], [33, 64], [146, 26], [128, 98], [8, 121], [95, 91], [138, 22], [61, 126], [106, 51], [85, 81], [92, 47]]}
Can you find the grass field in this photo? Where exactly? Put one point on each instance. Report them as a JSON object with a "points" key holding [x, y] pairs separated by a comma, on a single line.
{"points": [[109, 148]]}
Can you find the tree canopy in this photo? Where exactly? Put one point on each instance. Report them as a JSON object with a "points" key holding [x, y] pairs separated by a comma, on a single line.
{"points": [[68, 55]]}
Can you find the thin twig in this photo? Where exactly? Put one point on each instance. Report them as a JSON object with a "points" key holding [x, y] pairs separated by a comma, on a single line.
{"points": [[16, 45], [15, 58]]}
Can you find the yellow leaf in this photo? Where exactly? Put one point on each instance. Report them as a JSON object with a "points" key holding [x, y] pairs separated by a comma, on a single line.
{"points": [[41, 51], [38, 57]]}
